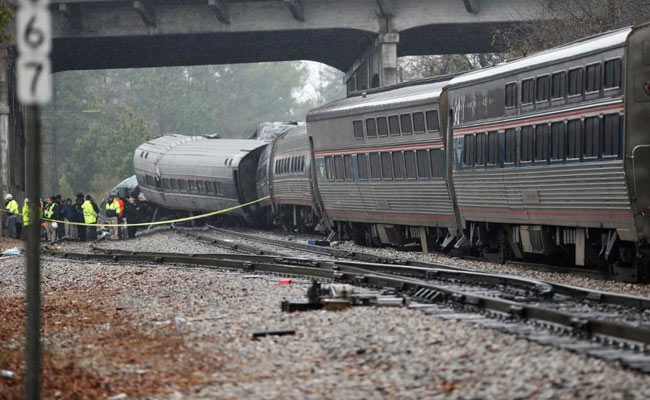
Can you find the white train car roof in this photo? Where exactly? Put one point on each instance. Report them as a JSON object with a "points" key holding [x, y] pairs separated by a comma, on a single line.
{"points": [[398, 96], [575, 49], [193, 155]]}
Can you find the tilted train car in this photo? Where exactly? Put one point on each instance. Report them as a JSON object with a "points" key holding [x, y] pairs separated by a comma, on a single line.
{"points": [[380, 164], [285, 174], [199, 173], [552, 152]]}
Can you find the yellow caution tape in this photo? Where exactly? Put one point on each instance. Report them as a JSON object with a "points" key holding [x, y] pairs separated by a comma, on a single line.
{"points": [[210, 214]]}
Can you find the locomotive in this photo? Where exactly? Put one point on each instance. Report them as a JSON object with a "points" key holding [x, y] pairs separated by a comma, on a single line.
{"points": [[544, 157]]}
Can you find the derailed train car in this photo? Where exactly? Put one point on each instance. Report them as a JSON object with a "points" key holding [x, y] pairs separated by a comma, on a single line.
{"points": [[285, 174], [199, 173], [551, 153], [380, 164]]}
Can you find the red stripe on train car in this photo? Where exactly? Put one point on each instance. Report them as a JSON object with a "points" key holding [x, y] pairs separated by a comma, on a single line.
{"points": [[417, 217], [550, 117], [430, 145]]}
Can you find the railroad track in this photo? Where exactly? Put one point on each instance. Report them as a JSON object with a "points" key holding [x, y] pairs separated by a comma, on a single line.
{"points": [[605, 325]]}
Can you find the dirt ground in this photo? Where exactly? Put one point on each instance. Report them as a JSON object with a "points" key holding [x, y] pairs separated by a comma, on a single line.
{"points": [[155, 357]]}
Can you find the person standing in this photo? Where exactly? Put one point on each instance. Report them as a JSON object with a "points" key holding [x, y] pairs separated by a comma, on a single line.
{"points": [[112, 213], [132, 214], [68, 214], [48, 214], [79, 216], [90, 210], [28, 218], [11, 206], [120, 218]]}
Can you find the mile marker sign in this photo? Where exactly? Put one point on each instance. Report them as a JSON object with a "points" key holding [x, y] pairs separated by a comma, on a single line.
{"points": [[34, 38]]}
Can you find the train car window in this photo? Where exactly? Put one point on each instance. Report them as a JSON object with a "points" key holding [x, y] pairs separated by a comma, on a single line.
{"points": [[349, 173], [611, 135], [594, 78], [218, 188], [437, 163], [142, 154], [292, 165], [165, 183], [543, 88], [340, 168], [398, 165], [576, 82], [511, 95], [433, 123], [302, 164], [558, 85], [526, 144], [469, 148], [382, 126], [418, 122], [409, 163], [541, 142], [371, 127], [393, 124], [424, 170], [199, 186], [192, 185], [481, 148], [173, 183], [329, 168], [407, 125], [208, 187], [386, 167], [613, 73], [591, 140], [182, 184], [527, 91], [511, 146], [277, 163], [493, 148], [362, 166], [573, 149], [375, 166], [358, 129], [558, 140], [150, 181]]}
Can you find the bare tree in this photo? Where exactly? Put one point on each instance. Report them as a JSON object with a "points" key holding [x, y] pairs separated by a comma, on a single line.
{"points": [[564, 21]]}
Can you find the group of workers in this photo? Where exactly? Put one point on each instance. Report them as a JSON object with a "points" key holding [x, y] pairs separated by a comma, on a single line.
{"points": [[67, 220]]}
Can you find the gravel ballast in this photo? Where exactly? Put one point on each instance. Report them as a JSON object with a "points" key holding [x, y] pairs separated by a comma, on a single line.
{"points": [[153, 331], [481, 266]]}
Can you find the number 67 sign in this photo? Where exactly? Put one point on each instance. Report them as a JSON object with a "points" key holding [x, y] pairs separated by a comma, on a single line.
{"points": [[34, 37]]}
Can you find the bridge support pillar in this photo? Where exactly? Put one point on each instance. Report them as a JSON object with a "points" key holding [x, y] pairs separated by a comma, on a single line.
{"points": [[377, 67], [12, 137]]}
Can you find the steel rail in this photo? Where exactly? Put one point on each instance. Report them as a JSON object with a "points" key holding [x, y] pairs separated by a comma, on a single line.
{"points": [[597, 296], [587, 327], [470, 277]]}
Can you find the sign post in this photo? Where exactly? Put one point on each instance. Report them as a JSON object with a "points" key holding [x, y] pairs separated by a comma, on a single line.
{"points": [[34, 39]]}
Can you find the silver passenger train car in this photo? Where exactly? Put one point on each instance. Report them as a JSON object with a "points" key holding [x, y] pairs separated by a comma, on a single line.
{"points": [[380, 164], [199, 173], [551, 152], [285, 174]]}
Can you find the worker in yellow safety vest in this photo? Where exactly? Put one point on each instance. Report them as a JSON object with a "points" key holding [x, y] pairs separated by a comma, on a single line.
{"points": [[27, 218], [90, 210], [113, 211], [12, 216]]}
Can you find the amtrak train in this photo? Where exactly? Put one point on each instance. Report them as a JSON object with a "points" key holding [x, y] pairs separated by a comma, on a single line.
{"points": [[545, 157]]}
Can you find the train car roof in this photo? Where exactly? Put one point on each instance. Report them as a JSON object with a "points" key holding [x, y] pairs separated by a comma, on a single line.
{"points": [[578, 48], [195, 155], [402, 96]]}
